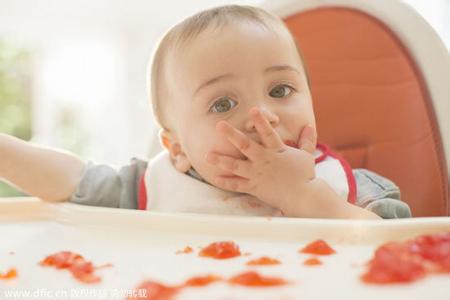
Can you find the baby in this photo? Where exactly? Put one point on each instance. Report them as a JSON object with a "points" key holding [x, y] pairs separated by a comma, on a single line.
{"points": [[231, 94]]}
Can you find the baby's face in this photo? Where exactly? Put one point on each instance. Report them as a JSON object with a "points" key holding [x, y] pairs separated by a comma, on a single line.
{"points": [[221, 75]]}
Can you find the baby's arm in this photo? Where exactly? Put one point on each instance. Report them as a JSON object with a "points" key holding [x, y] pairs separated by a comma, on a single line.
{"points": [[323, 203], [49, 174]]}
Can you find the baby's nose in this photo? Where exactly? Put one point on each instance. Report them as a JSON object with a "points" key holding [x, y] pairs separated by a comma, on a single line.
{"points": [[268, 114]]}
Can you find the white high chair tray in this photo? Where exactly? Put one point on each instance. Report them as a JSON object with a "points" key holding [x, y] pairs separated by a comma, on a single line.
{"points": [[142, 245]]}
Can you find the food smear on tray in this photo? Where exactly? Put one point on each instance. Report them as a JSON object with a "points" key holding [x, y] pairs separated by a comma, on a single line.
{"points": [[264, 261], [221, 250], [10, 274], [312, 261], [152, 290], [254, 279], [186, 250], [104, 266], [75, 263], [318, 247], [202, 280], [410, 260]]}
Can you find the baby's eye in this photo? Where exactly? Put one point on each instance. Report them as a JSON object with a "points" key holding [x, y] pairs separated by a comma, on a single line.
{"points": [[222, 105], [280, 91]]}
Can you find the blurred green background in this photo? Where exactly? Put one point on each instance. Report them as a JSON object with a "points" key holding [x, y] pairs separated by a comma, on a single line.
{"points": [[15, 104]]}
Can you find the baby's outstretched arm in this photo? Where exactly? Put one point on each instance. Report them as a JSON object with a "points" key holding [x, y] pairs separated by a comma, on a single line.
{"points": [[49, 174], [281, 176]]}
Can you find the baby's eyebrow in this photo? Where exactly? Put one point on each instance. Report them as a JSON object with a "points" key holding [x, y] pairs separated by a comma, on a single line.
{"points": [[216, 79], [213, 81], [281, 68]]}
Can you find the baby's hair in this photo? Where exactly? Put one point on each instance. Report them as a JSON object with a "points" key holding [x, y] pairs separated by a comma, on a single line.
{"points": [[187, 30]]}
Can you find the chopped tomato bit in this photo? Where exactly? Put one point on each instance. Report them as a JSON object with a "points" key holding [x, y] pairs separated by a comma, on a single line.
{"points": [[202, 280], [408, 261], [61, 260], [221, 250], [186, 250], [75, 263], [318, 247], [10, 274], [313, 261], [151, 290], [84, 271], [253, 279], [264, 260]]}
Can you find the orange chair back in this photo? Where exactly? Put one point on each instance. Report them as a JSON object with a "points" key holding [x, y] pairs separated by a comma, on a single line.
{"points": [[372, 104]]}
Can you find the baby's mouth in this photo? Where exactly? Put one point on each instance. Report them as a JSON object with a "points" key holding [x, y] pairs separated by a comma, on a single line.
{"points": [[291, 143]]}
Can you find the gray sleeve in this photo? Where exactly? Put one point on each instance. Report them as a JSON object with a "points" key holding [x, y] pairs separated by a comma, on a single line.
{"points": [[104, 185], [379, 195]]}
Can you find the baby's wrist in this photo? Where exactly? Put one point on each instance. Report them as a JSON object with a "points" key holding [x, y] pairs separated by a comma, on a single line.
{"points": [[316, 199], [297, 203]]}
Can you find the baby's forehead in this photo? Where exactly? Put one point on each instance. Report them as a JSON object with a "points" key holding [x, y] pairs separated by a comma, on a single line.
{"points": [[240, 53], [213, 31], [214, 36]]}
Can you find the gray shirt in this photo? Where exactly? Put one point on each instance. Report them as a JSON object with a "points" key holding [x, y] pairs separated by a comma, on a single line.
{"points": [[104, 185]]}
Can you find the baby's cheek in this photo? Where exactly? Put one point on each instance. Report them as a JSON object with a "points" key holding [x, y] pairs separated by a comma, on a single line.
{"points": [[229, 150], [297, 122], [217, 143]]}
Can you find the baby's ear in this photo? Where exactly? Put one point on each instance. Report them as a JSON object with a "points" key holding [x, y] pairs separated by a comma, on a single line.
{"points": [[164, 137], [177, 155]]}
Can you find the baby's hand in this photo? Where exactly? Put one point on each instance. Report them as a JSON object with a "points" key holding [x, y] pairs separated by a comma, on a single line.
{"points": [[272, 171]]}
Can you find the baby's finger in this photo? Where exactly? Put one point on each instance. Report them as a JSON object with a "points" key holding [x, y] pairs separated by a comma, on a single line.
{"points": [[238, 167], [269, 136], [306, 140], [243, 143], [235, 184]]}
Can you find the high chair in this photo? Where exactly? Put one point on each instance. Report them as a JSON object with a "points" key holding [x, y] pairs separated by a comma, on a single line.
{"points": [[380, 81]]}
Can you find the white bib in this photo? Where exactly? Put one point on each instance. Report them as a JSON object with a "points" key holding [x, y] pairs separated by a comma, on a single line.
{"points": [[169, 190]]}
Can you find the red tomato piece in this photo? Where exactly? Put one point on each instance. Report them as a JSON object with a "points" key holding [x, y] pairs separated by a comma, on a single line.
{"points": [[202, 280], [61, 260], [221, 250], [318, 247], [264, 260], [10, 274], [84, 271], [253, 279], [392, 263], [186, 250], [434, 248], [399, 262], [75, 263], [313, 261], [151, 290]]}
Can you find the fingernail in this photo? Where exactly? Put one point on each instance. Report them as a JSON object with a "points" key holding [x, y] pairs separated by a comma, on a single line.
{"points": [[308, 132], [306, 144]]}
